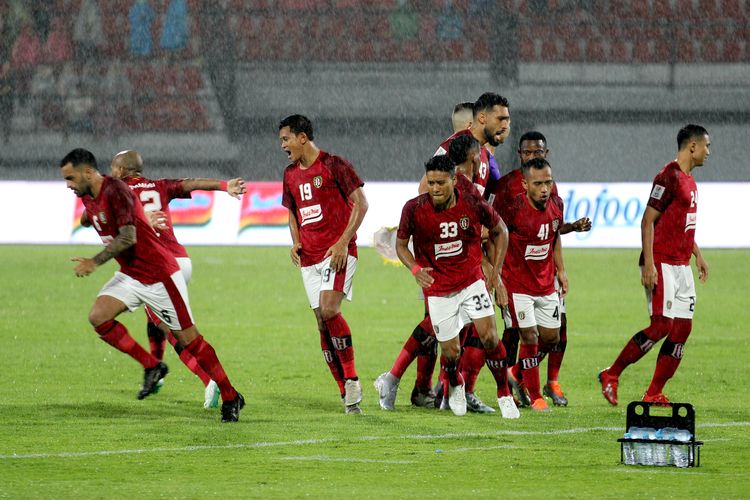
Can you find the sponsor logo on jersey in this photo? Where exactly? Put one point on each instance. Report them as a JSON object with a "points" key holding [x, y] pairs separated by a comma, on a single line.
{"points": [[143, 185], [657, 192], [317, 181], [537, 252], [310, 214], [464, 222], [690, 221], [555, 225], [448, 249]]}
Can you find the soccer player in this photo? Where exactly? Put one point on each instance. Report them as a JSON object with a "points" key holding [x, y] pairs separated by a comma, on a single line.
{"points": [[326, 207], [532, 145], [445, 225], [534, 259], [667, 243], [155, 196], [148, 275]]}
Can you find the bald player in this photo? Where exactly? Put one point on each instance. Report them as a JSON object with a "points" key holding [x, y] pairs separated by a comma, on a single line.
{"points": [[155, 196]]}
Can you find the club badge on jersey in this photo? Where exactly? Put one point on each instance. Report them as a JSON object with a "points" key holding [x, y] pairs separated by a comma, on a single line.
{"points": [[318, 181]]}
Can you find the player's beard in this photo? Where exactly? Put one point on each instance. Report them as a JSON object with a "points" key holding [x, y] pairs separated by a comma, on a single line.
{"points": [[490, 138]]}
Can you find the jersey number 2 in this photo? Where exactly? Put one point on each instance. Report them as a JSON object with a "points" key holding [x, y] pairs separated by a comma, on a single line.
{"points": [[151, 201]]}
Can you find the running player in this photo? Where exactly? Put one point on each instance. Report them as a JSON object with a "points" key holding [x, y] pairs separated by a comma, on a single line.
{"points": [[155, 196], [668, 241], [148, 275], [326, 207]]}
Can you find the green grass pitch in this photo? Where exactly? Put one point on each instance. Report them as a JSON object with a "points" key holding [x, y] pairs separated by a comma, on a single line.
{"points": [[71, 427]]}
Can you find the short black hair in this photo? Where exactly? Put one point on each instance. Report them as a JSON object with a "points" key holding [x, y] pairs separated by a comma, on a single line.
{"points": [[489, 100], [462, 106], [441, 163], [688, 133], [532, 135], [459, 149], [535, 163], [80, 156], [298, 124]]}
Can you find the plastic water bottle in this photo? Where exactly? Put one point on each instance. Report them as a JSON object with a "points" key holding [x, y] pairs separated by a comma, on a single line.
{"points": [[681, 451], [644, 452], [662, 455], [628, 450]]}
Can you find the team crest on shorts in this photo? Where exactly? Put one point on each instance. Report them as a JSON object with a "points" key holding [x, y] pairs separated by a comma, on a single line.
{"points": [[555, 225], [464, 223], [102, 217], [669, 304], [317, 181], [521, 316]]}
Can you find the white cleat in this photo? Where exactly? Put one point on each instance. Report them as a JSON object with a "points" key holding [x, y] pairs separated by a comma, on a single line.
{"points": [[387, 386], [211, 395], [508, 407], [457, 400], [353, 395]]}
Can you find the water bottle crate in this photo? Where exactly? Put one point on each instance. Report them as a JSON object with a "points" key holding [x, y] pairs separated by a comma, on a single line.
{"points": [[677, 448]]}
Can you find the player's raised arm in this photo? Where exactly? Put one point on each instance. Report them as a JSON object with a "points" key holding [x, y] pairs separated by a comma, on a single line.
{"points": [[580, 226], [124, 240], [234, 187], [339, 251], [701, 263], [649, 275]]}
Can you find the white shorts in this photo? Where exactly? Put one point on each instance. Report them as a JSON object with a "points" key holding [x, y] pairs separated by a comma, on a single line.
{"points": [[168, 300], [320, 277], [674, 293], [525, 311], [452, 312], [186, 268]]}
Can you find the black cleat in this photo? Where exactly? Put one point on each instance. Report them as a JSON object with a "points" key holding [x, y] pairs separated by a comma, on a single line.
{"points": [[230, 410], [423, 398], [151, 377]]}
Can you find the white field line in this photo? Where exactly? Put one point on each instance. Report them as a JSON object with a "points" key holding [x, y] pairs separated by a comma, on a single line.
{"points": [[304, 442], [326, 458]]}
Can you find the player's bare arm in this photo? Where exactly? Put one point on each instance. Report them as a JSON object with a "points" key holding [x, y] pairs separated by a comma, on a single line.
{"points": [[421, 274], [124, 240], [340, 250], [562, 275], [701, 263], [234, 187], [296, 245], [84, 221], [649, 276], [581, 225], [499, 237]]}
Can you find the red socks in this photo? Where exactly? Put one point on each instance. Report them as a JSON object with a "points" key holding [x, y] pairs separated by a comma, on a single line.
{"points": [[207, 360], [189, 361], [405, 357], [116, 335], [529, 364], [670, 355], [640, 344], [341, 337], [332, 360]]}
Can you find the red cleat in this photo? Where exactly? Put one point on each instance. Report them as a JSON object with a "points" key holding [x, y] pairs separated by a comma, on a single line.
{"points": [[609, 386], [657, 399]]}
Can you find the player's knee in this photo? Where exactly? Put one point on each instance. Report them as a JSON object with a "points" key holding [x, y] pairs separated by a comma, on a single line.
{"points": [[328, 312], [659, 328], [97, 318], [490, 341], [529, 336], [450, 350]]}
